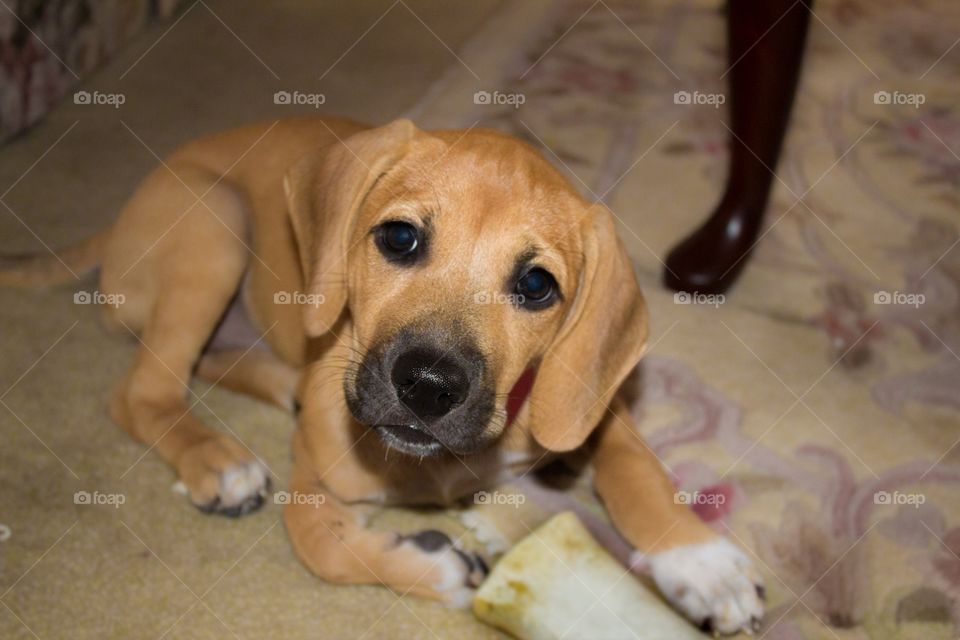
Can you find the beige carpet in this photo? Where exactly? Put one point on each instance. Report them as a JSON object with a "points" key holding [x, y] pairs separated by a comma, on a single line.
{"points": [[156, 565], [820, 413], [818, 405]]}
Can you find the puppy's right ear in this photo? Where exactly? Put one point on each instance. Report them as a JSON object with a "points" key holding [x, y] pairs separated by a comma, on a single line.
{"points": [[324, 191]]}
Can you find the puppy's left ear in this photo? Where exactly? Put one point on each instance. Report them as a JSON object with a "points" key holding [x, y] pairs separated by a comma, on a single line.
{"points": [[601, 341], [324, 191]]}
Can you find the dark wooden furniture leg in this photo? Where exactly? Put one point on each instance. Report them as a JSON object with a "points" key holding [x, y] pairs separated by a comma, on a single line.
{"points": [[765, 40]]}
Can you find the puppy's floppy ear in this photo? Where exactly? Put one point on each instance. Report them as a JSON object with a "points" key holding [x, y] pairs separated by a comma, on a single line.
{"points": [[602, 339], [324, 192]]}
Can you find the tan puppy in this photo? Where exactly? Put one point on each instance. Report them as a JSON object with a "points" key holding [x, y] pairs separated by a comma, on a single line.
{"points": [[433, 275]]}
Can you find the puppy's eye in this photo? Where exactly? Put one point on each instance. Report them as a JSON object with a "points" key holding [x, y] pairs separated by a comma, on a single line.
{"points": [[398, 240], [537, 289]]}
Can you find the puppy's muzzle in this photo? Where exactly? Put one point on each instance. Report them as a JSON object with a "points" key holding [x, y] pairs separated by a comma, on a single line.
{"points": [[424, 392]]}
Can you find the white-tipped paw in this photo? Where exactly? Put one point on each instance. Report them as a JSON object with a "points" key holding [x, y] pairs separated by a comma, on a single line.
{"points": [[456, 573], [221, 476], [713, 583]]}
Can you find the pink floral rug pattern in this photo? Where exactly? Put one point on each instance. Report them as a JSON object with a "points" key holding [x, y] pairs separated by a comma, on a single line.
{"points": [[46, 46], [818, 406]]}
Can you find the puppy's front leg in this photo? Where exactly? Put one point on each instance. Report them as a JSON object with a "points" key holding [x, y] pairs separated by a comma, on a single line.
{"points": [[332, 540], [702, 574]]}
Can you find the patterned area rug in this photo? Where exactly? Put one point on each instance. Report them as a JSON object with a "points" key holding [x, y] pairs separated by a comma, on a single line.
{"points": [[813, 412], [46, 46]]}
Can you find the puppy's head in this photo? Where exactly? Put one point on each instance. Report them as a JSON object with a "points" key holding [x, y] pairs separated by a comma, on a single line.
{"points": [[470, 268]]}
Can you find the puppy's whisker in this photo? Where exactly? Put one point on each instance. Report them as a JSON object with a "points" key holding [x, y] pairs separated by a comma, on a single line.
{"points": [[342, 367], [335, 365], [346, 358], [336, 376]]}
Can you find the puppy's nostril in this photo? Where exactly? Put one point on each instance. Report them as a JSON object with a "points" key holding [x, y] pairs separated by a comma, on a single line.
{"points": [[446, 401], [451, 399]]}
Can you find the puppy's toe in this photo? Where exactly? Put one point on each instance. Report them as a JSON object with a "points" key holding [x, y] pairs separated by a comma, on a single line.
{"points": [[712, 583], [477, 568], [456, 572], [242, 489], [222, 477], [494, 542]]}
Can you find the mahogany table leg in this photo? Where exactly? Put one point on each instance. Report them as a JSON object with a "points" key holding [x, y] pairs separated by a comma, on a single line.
{"points": [[765, 48]]}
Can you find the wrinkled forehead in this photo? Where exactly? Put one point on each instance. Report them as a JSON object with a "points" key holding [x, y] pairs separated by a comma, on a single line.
{"points": [[485, 185]]}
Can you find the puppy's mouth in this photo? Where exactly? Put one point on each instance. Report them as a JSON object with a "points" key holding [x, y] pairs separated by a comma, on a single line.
{"points": [[408, 439], [425, 391]]}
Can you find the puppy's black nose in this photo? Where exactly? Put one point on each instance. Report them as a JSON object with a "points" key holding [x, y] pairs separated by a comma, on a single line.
{"points": [[429, 383]]}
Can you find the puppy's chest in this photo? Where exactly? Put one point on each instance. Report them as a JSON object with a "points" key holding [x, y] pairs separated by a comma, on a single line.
{"points": [[455, 479]]}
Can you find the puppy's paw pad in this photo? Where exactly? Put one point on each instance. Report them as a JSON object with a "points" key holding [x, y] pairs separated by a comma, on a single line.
{"points": [[712, 583], [458, 571], [429, 540]]}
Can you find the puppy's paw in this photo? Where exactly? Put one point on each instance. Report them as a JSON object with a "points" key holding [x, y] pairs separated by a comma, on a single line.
{"points": [[223, 477], [713, 583], [453, 574], [485, 531]]}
